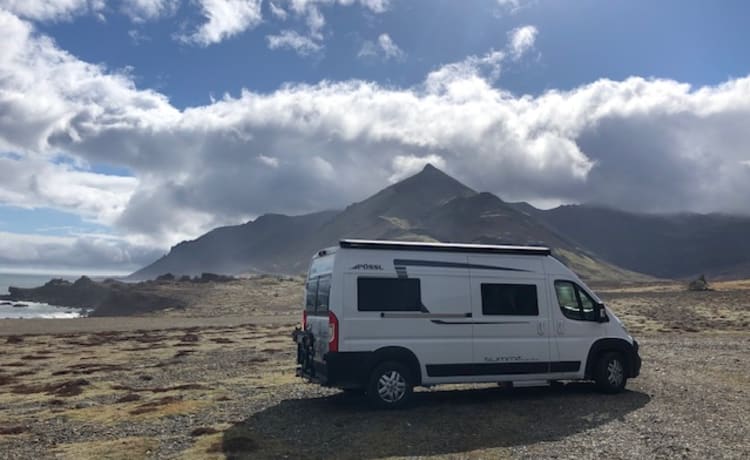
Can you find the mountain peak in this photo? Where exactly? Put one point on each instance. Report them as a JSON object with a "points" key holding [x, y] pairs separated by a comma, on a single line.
{"points": [[434, 179], [431, 185]]}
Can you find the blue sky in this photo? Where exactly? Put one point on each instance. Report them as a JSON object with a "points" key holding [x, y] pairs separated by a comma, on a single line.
{"points": [[580, 41], [128, 126]]}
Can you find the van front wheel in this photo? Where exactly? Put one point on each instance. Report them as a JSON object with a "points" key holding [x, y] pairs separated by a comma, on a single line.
{"points": [[610, 373], [390, 386]]}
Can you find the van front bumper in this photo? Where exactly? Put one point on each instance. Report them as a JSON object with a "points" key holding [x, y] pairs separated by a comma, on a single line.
{"points": [[635, 367]]}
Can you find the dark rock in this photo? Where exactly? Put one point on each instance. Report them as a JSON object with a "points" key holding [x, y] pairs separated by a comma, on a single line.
{"points": [[165, 277], [113, 298], [20, 305], [6, 303], [213, 277], [699, 284]]}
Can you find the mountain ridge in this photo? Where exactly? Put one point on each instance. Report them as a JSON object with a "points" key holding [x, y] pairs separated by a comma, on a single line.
{"points": [[679, 245], [433, 206]]}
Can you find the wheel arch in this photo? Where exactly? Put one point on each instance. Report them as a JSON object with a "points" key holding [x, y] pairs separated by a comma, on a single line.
{"points": [[607, 345], [399, 354]]}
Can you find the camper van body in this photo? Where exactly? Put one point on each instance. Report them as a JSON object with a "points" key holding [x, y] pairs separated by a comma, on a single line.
{"points": [[454, 313]]}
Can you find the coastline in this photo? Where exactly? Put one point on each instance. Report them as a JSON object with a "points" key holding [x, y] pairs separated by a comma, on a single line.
{"points": [[38, 310]]}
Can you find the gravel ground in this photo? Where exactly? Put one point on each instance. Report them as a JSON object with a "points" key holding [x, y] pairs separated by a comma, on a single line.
{"points": [[229, 391], [691, 401]]}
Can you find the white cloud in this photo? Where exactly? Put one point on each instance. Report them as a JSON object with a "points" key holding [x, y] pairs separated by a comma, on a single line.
{"points": [[45, 10], [36, 182], [464, 78], [72, 253], [63, 10], [289, 39], [269, 161], [148, 10], [138, 37], [521, 40], [278, 11], [408, 165], [315, 21], [512, 6], [389, 47], [224, 19], [649, 145], [302, 6], [385, 47]]}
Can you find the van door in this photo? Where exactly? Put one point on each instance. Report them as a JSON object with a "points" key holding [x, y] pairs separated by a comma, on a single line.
{"points": [[511, 326], [575, 323]]}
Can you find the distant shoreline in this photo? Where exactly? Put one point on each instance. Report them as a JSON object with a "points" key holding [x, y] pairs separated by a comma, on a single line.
{"points": [[108, 297], [12, 310]]}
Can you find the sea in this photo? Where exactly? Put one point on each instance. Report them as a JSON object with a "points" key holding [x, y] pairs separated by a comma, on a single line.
{"points": [[34, 309]]}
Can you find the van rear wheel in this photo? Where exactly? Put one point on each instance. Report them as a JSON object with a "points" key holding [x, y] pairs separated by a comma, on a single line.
{"points": [[391, 385], [610, 373]]}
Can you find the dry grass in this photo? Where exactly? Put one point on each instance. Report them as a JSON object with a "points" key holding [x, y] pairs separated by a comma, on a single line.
{"points": [[119, 449], [65, 388]]}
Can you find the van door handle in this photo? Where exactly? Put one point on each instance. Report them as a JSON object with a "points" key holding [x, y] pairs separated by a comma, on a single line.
{"points": [[540, 328]]}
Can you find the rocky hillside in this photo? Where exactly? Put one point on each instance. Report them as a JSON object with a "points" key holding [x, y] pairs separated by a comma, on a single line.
{"points": [[429, 206], [665, 246]]}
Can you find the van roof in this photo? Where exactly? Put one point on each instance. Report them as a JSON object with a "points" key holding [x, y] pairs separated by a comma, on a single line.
{"points": [[445, 247]]}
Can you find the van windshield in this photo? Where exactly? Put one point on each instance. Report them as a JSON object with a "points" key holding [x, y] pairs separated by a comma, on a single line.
{"points": [[317, 295]]}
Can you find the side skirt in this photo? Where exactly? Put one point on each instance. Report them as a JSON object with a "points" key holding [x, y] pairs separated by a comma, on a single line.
{"points": [[468, 369]]}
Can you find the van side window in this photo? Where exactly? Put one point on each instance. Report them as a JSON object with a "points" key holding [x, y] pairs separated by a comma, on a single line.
{"points": [[509, 299], [574, 302], [318, 293], [388, 294]]}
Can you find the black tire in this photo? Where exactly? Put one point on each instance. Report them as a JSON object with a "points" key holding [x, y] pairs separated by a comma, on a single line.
{"points": [[611, 373], [391, 386]]}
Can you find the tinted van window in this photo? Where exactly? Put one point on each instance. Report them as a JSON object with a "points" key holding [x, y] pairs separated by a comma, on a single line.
{"points": [[509, 299], [388, 294]]}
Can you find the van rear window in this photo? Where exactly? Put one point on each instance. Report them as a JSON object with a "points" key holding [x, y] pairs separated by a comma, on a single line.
{"points": [[318, 294], [509, 299], [388, 294]]}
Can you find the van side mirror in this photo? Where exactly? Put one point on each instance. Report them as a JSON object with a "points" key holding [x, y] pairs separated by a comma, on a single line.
{"points": [[601, 313]]}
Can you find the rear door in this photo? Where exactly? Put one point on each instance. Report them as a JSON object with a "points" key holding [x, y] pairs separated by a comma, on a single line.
{"points": [[317, 303]]}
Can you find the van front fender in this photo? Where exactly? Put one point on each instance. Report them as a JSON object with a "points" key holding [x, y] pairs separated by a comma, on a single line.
{"points": [[628, 350]]}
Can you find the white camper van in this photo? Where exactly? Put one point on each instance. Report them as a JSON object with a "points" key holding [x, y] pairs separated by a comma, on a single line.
{"points": [[385, 316]]}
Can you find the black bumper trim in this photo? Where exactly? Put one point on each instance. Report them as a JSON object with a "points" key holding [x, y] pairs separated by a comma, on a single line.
{"points": [[340, 369]]}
